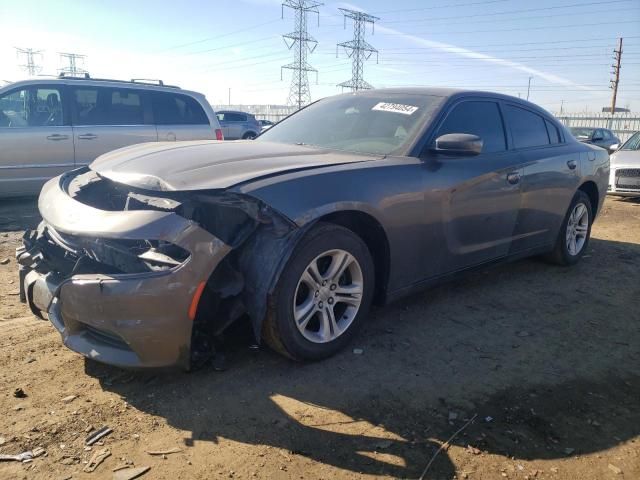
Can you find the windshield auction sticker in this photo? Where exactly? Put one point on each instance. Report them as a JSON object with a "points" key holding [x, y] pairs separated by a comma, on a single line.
{"points": [[395, 108]]}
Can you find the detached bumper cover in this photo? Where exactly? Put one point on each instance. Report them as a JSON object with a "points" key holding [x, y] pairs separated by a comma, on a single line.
{"points": [[126, 319]]}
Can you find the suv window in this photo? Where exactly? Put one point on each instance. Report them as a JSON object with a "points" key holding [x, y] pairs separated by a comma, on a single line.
{"points": [[231, 117], [31, 107], [107, 106], [481, 118], [527, 128], [554, 133], [606, 134], [172, 109], [599, 134]]}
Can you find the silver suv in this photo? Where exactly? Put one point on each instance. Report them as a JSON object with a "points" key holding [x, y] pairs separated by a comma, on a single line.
{"points": [[48, 126], [238, 125]]}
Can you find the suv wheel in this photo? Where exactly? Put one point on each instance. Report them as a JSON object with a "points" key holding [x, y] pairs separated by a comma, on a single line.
{"points": [[249, 136], [322, 296]]}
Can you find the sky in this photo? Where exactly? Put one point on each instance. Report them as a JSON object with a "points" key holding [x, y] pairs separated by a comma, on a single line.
{"points": [[564, 46]]}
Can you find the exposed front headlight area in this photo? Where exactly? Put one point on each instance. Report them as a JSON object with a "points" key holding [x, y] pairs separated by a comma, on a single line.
{"points": [[117, 284]]}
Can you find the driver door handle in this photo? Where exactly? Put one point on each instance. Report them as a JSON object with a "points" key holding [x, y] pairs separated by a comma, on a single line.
{"points": [[513, 178], [572, 164]]}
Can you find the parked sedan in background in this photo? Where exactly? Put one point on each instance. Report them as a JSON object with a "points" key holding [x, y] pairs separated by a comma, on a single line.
{"points": [[601, 137], [147, 255], [624, 180], [48, 126], [238, 125]]}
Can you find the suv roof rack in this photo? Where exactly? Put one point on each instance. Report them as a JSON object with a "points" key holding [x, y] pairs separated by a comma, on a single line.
{"points": [[143, 81]]}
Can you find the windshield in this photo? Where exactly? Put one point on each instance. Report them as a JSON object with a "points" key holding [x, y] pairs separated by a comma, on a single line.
{"points": [[378, 124], [633, 143], [580, 132]]}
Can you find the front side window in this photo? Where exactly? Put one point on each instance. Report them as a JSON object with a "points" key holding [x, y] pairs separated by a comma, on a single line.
{"points": [[370, 123], [172, 109], [481, 118], [31, 107], [107, 106], [527, 128]]}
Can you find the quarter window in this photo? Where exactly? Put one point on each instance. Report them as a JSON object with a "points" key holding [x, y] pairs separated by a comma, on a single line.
{"points": [[479, 118], [527, 128], [108, 106], [171, 109], [31, 107], [554, 133]]}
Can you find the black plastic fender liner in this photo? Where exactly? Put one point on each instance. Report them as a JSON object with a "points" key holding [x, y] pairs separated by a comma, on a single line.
{"points": [[261, 261]]}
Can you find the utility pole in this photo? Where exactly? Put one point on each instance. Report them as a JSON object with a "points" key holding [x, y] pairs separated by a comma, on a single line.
{"points": [[31, 67], [229, 96], [561, 106], [617, 57], [72, 60], [358, 49], [529, 87], [302, 44]]}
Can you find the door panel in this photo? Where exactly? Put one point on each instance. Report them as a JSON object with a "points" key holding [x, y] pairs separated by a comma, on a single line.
{"points": [[548, 186], [480, 205], [30, 156]]}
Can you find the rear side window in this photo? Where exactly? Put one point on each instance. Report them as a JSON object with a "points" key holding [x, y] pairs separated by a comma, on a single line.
{"points": [[479, 118], [554, 133], [527, 128], [231, 117], [173, 109], [107, 106]]}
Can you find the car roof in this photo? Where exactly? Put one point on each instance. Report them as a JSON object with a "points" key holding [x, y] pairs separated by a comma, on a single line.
{"points": [[98, 82]]}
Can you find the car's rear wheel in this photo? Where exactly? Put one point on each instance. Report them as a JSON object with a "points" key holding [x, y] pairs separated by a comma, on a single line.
{"points": [[249, 136], [322, 296], [575, 231]]}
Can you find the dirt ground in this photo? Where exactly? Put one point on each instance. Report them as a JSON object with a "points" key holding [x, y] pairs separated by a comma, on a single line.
{"points": [[548, 359]]}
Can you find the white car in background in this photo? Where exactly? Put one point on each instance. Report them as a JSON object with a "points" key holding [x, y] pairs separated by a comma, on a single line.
{"points": [[624, 180]]}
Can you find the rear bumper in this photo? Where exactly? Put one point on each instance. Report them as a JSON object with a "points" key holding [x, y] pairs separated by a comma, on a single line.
{"points": [[129, 319]]}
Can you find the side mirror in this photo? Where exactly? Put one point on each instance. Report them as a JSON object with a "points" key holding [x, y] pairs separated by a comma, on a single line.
{"points": [[614, 147], [458, 144]]}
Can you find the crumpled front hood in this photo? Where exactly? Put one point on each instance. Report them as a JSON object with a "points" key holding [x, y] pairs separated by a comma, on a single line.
{"points": [[209, 164], [627, 158]]}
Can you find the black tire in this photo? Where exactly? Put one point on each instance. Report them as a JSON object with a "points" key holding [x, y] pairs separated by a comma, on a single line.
{"points": [[280, 331], [249, 136], [560, 254]]}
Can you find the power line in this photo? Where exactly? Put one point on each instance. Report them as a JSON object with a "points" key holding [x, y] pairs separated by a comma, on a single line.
{"points": [[357, 49], [72, 68], [30, 65], [617, 55], [302, 44], [510, 12]]}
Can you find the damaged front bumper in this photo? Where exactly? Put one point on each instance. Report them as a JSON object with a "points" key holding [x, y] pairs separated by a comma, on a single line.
{"points": [[87, 270]]}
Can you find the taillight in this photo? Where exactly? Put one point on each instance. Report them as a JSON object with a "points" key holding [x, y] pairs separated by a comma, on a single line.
{"points": [[219, 135]]}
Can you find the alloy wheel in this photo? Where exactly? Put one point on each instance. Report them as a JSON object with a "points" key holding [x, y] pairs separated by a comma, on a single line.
{"points": [[328, 296], [577, 229]]}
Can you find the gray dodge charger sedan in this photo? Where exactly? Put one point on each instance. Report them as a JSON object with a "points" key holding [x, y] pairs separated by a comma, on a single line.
{"points": [[148, 254]]}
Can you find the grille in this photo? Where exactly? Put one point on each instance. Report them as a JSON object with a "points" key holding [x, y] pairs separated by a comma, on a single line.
{"points": [[628, 178], [105, 337]]}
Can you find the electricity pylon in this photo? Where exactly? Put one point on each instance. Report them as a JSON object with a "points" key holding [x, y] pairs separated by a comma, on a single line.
{"points": [[358, 49]]}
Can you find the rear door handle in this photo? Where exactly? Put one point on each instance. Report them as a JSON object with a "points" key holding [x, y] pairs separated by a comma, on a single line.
{"points": [[57, 136], [87, 136], [572, 164], [513, 178]]}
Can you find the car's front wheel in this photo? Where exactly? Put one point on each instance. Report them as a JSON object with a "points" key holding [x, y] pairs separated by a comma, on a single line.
{"points": [[575, 231], [322, 296]]}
